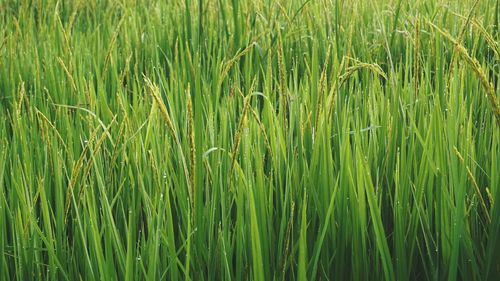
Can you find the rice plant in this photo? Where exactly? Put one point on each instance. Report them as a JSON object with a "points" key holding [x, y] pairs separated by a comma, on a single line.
{"points": [[249, 140]]}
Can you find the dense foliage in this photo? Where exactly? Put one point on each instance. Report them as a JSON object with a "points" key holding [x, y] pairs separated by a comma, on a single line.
{"points": [[249, 140]]}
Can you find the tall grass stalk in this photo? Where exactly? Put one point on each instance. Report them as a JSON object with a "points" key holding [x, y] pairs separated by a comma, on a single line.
{"points": [[249, 140]]}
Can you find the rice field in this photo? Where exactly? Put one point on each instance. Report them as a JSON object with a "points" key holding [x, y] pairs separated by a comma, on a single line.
{"points": [[249, 140]]}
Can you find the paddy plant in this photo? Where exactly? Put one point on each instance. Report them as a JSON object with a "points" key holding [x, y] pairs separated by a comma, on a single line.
{"points": [[249, 140]]}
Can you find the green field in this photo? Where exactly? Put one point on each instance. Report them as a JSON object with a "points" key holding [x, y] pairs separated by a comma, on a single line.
{"points": [[249, 140]]}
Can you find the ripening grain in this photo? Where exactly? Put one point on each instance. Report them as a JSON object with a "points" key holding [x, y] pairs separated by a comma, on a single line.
{"points": [[249, 140]]}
